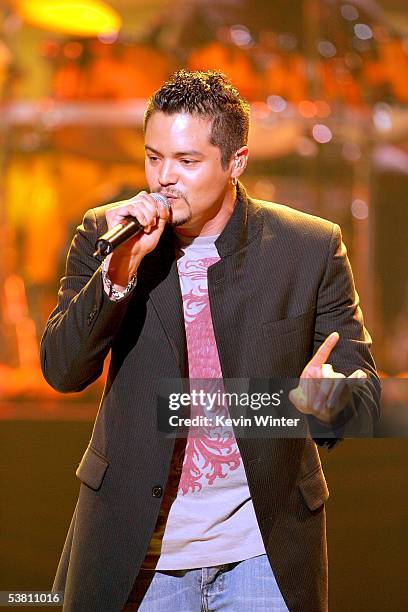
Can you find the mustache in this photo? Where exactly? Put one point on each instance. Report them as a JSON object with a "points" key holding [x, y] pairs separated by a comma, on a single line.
{"points": [[171, 192]]}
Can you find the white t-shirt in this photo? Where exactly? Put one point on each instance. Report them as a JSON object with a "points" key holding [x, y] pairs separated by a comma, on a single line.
{"points": [[207, 516]]}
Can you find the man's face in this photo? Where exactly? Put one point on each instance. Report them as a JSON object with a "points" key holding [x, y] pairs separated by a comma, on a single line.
{"points": [[182, 164]]}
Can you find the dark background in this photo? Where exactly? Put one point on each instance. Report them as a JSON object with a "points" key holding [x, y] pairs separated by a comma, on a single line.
{"points": [[366, 511]]}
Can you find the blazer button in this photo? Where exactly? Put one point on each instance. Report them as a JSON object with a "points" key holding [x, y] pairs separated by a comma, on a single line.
{"points": [[92, 315], [157, 491]]}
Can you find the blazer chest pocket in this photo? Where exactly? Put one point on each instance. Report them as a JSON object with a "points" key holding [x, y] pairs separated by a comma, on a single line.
{"points": [[92, 468], [293, 325], [314, 489]]}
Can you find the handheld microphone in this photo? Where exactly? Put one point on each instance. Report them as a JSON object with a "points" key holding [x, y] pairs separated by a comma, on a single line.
{"points": [[124, 230]]}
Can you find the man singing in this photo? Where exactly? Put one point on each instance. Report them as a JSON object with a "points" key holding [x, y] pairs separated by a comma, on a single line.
{"points": [[216, 286]]}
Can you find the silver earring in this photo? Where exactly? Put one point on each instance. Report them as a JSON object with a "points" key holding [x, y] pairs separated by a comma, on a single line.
{"points": [[234, 181]]}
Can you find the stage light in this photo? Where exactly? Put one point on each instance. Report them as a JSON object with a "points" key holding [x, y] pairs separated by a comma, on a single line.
{"points": [[277, 104], [363, 31], [321, 133], [76, 17], [240, 35], [382, 117], [349, 12], [326, 48], [359, 209]]}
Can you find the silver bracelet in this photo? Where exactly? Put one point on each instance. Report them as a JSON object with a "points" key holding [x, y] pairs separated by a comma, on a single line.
{"points": [[113, 293]]}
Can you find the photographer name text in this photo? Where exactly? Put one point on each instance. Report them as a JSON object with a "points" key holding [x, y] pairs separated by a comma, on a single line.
{"points": [[224, 421]]}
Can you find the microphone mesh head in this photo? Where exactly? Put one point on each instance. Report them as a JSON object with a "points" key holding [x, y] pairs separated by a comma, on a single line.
{"points": [[161, 199]]}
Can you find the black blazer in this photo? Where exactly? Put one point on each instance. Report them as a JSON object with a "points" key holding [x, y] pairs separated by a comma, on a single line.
{"points": [[282, 284]]}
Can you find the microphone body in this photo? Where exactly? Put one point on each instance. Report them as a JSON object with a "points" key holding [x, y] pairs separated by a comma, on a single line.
{"points": [[121, 232]]}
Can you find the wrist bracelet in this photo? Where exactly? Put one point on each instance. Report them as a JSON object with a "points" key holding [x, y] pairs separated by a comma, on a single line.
{"points": [[113, 293]]}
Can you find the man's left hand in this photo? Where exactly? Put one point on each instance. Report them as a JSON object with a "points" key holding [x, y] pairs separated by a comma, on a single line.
{"points": [[322, 392]]}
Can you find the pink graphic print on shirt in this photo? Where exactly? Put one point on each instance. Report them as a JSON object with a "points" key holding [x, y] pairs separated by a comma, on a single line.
{"points": [[215, 453]]}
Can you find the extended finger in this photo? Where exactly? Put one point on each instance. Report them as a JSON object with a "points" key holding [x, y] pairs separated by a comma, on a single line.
{"points": [[323, 352]]}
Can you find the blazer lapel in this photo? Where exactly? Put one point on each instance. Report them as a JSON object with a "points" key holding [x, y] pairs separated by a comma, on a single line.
{"points": [[161, 280], [159, 275]]}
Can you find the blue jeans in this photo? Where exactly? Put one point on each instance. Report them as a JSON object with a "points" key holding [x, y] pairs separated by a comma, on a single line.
{"points": [[244, 586]]}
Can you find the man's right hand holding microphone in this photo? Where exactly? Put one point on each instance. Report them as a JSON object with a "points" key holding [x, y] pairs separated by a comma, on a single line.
{"points": [[121, 265]]}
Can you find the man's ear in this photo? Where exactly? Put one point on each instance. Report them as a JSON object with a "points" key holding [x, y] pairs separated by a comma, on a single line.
{"points": [[239, 162]]}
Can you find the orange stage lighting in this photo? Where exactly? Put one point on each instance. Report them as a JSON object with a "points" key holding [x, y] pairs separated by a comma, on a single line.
{"points": [[77, 17], [307, 109]]}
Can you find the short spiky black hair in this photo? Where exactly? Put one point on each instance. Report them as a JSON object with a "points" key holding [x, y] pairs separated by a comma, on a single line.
{"points": [[207, 94]]}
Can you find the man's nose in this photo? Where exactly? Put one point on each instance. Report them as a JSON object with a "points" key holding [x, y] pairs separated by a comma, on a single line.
{"points": [[167, 174]]}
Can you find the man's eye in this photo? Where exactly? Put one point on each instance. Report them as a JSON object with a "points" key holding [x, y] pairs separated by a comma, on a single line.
{"points": [[188, 162], [152, 158]]}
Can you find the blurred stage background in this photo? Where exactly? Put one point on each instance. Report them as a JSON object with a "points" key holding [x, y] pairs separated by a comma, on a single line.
{"points": [[328, 85]]}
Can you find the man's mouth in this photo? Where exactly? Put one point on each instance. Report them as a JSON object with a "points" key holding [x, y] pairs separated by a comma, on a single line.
{"points": [[172, 198]]}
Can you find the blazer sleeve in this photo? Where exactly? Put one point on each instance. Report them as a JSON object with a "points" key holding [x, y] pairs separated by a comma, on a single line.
{"points": [[80, 330], [338, 310]]}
